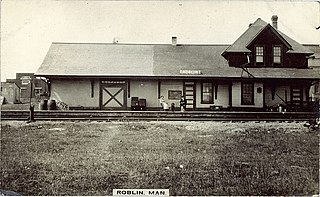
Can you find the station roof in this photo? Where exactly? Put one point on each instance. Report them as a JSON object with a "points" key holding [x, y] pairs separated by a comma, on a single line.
{"points": [[136, 60], [163, 60]]}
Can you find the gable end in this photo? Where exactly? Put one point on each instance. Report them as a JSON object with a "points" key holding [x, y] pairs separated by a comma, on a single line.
{"points": [[274, 31]]}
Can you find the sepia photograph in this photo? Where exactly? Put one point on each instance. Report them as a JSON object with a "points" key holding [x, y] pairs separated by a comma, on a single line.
{"points": [[160, 98]]}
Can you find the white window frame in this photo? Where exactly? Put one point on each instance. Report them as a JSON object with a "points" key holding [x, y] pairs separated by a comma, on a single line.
{"points": [[259, 57], [207, 91], [277, 54]]}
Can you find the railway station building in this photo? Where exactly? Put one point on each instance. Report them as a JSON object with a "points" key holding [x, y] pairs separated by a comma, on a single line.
{"points": [[261, 70]]}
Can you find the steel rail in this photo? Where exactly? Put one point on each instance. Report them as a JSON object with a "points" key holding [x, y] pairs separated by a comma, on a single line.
{"points": [[84, 115]]}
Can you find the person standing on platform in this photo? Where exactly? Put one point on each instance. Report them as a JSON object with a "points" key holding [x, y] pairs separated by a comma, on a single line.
{"points": [[164, 105], [162, 101], [182, 104]]}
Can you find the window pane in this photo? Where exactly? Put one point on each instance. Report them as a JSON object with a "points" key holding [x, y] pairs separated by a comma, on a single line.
{"points": [[259, 50], [207, 87], [259, 59], [207, 97], [276, 51], [276, 60]]}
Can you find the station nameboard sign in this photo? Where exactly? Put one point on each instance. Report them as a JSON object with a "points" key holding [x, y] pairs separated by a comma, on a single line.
{"points": [[190, 72], [113, 82]]}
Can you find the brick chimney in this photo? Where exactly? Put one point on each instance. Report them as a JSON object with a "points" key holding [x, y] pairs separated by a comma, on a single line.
{"points": [[174, 41], [274, 20]]}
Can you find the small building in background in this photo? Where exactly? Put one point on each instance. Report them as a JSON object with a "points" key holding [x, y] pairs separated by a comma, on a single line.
{"points": [[28, 86], [10, 92]]}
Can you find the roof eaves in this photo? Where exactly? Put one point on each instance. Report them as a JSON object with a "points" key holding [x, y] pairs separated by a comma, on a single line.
{"points": [[240, 51], [300, 52]]}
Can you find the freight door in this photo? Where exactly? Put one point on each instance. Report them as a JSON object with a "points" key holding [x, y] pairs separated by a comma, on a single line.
{"points": [[113, 95], [189, 94]]}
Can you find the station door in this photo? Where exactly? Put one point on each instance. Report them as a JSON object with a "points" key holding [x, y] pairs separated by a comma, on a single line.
{"points": [[190, 94], [113, 94], [296, 97]]}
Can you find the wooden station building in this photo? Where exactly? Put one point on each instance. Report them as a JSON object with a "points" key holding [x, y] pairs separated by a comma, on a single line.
{"points": [[261, 70]]}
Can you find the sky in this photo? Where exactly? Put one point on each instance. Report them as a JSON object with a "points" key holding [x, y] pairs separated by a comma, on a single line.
{"points": [[29, 27]]}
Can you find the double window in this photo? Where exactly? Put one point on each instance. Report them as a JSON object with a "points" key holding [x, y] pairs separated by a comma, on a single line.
{"points": [[277, 55], [247, 93], [260, 53], [207, 93]]}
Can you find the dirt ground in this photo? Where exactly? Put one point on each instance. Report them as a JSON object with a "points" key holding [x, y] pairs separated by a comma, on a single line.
{"points": [[188, 158], [23, 106]]}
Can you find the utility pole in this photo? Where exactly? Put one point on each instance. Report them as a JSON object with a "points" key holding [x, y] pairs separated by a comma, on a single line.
{"points": [[28, 80], [31, 116]]}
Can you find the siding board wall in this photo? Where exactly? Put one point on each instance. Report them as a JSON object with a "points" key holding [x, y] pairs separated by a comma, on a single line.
{"points": [[236, 95], [222, 96], [280, 91], [170, 85], [64, 90], [144, 89]]}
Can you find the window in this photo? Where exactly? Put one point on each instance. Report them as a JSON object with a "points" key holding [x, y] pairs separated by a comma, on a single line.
{"points": [[24, 93], [247, 93], [206, 93], [277, 54], [259, 54], [37, 91]]}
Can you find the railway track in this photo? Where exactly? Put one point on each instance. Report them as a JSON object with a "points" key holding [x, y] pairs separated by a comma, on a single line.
{"points": [[158, 115]]}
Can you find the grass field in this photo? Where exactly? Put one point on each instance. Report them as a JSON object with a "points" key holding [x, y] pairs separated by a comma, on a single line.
{"points": [[188, 158]]}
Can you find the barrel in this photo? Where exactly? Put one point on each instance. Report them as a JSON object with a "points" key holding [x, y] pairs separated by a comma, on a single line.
{"points": [[52, 105], [43, 104]]}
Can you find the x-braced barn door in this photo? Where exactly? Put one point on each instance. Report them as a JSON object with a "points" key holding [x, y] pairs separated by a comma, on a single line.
{"points": [[189, 94], [113, 94]]}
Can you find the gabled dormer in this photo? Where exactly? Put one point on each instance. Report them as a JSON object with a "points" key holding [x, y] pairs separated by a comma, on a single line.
{"points": [[263, 45]]}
